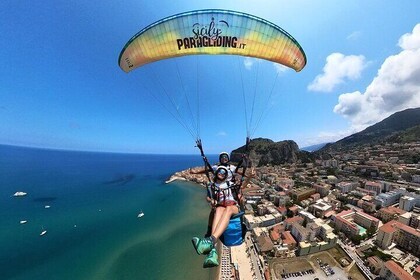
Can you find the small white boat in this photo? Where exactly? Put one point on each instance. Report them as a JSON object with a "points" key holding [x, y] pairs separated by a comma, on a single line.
{"points": [[43, 232], [141, 214], [47, 206], [20, 194], [23, 222]]}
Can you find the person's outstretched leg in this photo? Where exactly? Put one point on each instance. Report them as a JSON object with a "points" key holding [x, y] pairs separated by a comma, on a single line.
{"points": [[222, 218]]}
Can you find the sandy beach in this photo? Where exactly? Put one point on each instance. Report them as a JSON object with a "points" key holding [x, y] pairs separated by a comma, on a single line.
{"points": [[236, 261]]}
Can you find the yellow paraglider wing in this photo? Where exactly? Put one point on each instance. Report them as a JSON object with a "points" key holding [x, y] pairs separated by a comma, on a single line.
{"points": [[212, 32]]}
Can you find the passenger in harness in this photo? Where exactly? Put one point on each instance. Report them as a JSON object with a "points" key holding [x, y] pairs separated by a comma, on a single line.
{"points": [[224, 196], [224, 160]]}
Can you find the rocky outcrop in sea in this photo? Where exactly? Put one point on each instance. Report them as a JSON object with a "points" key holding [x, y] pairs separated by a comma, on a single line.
{"points": [[190, 175]]}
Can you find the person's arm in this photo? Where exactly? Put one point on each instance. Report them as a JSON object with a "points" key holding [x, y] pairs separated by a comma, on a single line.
{"points": [[248, 178], [202, 170]]}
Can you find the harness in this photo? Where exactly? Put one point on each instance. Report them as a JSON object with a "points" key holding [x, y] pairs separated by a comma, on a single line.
{"points": [[217, 192]]}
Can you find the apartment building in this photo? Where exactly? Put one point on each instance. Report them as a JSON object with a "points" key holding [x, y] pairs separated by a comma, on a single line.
{"points": [[392, 271], [404, 236], [354, 222]]}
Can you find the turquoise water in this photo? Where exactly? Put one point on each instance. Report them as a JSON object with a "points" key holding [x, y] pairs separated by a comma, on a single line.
{"points": [[92, 227], [362, 230]]}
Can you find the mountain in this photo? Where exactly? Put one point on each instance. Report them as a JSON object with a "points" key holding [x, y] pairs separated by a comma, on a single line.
{"points": [[313, 148], [400, 126], [265, 151]]}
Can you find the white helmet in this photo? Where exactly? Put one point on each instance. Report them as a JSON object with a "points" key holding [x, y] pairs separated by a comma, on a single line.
{"points": [[223, 154], [223, 170]]}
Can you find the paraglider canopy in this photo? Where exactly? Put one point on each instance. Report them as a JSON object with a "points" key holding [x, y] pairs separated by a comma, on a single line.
{"points": [[212, 32]]}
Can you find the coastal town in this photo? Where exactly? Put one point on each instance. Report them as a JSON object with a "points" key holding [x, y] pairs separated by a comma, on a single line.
{"points": [[354, 215]]}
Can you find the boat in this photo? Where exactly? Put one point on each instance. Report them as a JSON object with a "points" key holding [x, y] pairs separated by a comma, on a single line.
{"points": [[20, 194], [47, 206], [43, 232], [141, 214], [23, 222]]}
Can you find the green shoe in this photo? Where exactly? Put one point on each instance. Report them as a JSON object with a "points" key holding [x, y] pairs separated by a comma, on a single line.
{"points": [[212, 259], [202, 246]]}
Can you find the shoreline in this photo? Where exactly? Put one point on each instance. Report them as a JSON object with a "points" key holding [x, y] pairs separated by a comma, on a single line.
{"points": [[175, 178], [187, 175]]}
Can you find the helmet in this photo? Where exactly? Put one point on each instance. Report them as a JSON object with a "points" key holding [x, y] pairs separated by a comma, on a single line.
{"points": [[222, 154], [222, 170]]}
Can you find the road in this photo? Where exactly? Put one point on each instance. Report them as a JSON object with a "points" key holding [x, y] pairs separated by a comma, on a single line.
{"points": [[255, 261], [352, 253]]}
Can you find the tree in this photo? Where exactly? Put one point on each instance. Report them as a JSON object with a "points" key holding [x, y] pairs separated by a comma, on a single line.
{"points": [[370, 232], [356, 239]]}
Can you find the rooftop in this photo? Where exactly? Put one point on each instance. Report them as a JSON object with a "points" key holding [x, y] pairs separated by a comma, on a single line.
{"points": [[393, 226], [398, 271]]}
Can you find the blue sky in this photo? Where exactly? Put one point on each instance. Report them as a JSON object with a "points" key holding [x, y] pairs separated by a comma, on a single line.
{"points": [[61, 86]]}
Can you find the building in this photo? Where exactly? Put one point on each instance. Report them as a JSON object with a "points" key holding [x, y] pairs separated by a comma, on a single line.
{"points": [[392, 271], [264, 244], [405, 218], [288, 240], [301, 193], [308, 217], [323, 190], [415, 221], [389, 198], [407, 203], [389, 213], [346, 187], [290, 221], [375, 264], [404, 236], [301, 233], [354, 222], [315, 196], [373, 186], [367, 206], [320, 208], [365, 220]]}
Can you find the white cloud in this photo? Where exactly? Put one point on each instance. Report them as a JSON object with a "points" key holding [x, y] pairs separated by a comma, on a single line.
{"points": [[411, 41], [337, 70], [280, 69], [354, 36], [221, 133], [396, 87], [249, 62], [326, 137]]}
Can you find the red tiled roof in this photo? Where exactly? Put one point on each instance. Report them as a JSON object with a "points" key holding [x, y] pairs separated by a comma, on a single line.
{"points": [[344, 213], [392, 210], [293, 220], [274, 235], [282, 209], [368, 216], [393, 226], [349, 212], [288, 238], [293, 208], [370, 183], [398, 271]]}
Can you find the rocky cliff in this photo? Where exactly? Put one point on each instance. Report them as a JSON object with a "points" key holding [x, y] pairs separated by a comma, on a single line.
{"points": [[265, 151]]}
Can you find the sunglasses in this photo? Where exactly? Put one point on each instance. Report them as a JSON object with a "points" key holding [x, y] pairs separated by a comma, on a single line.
{"points": [[221, 171], [225, 157]]}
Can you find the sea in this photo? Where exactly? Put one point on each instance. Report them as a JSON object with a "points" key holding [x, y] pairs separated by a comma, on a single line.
{"points": [[88, 203]]}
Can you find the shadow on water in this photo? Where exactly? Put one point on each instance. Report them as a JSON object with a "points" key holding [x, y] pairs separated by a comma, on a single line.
{"points": [[45, 199], [120, 180]]}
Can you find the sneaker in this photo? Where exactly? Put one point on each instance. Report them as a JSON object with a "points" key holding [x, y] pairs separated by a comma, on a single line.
{"points": [[212, 259], [202, 246]]}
